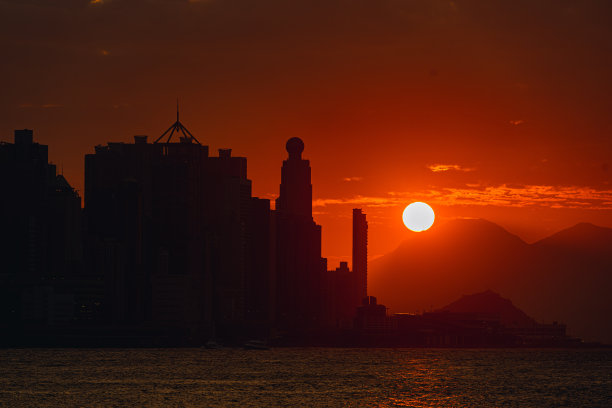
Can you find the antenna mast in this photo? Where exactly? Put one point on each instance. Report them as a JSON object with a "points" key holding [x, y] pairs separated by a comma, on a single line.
{"points": [[177, 127]]}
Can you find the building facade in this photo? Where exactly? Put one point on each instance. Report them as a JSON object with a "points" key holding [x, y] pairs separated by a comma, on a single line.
{"points": [[300, 269], [171, 230], [40, 237]]}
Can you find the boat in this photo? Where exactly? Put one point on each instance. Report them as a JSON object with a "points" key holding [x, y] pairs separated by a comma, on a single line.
{"points": [[256, 345], [213, 345]]}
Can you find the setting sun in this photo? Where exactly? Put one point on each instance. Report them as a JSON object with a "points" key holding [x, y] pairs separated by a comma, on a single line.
{"points": [[418, 217]]}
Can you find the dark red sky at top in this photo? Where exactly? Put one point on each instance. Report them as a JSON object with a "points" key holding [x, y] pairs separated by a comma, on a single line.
{"points": [[490, 109]]}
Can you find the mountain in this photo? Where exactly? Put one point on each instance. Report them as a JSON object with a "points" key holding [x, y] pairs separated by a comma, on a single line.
{"points": [[583, 237], [490, 302], [566, 277], [433, 268]]}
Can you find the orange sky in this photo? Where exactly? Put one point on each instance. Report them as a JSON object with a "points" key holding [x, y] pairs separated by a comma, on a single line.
{"points": [[496, 109]]}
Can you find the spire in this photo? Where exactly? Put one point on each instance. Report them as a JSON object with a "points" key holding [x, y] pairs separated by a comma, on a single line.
{"points": [[177, 127]]}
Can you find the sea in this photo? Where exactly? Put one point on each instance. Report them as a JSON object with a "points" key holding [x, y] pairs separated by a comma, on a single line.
{"points": [[306, 377]]}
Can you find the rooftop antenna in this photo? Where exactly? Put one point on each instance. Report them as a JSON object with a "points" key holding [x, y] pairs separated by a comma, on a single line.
{"points": [[177, 127]]}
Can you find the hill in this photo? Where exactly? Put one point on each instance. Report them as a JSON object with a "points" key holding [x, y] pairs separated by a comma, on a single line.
{"points": [[489, 302], [565, 277]]}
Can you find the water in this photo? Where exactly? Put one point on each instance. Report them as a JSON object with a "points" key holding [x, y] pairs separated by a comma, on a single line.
{"points": [[305, 377]]}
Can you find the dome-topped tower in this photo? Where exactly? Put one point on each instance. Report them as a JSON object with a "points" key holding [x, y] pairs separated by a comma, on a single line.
{"points": [[299, 266], [295, 196], [295, 147]]}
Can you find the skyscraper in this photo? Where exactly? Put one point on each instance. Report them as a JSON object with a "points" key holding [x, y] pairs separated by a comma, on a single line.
{"points": [[171, 229], [360, 253], [295, 198], [349, 288], [300, 268], [40, 234]]}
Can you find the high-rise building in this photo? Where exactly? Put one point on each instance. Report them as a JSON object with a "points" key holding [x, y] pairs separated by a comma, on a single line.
{"points": [[170, 229], [341, 297], [40, 234], [295, 198], [300, 270], [360, 253], [349, 288], [26, 178]]}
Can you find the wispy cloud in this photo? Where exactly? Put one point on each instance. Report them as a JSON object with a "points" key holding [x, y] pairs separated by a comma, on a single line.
{"points": [[575, 197], [352, 179], [436, 168], [525, 196], [358, 200]]}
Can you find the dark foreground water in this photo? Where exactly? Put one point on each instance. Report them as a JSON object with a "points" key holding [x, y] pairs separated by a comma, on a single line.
{"points": [[305, 377]]}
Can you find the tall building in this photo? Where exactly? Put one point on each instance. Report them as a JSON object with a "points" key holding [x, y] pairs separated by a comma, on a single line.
{"points": [[360, 253], [26, 178], [341, 296], [349, 288], [300, 270], [169, 228], [295, 198], [40, 234]]}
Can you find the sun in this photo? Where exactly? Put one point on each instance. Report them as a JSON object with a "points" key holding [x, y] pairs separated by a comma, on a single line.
{"points": [[418, 216]]}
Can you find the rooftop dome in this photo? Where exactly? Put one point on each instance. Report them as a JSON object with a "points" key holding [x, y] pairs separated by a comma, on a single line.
{"points": [[295, 147]]}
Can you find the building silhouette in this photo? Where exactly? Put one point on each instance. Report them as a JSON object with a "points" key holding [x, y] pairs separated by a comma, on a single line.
{"points": [[347, 288], [173, 249], [40, 237], [360, 253], [341, 295], [170, 244], [172, 231], [300, 269]]}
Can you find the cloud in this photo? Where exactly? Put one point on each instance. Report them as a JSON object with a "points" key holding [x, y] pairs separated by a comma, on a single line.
{"points": [[436, 168], [575, 197], [358, 200], [517, 122], [352, 179], [543, 196], [320, 213]]}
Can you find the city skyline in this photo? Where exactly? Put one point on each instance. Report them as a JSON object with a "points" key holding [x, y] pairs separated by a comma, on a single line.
{"points": [[170, 239], [171, 247]]}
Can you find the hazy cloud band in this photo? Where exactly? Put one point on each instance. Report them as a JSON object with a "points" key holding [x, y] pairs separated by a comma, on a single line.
{"points": [[502, 196]]}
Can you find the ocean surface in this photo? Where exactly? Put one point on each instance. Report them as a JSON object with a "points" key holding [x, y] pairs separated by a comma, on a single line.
{"points": [[296, 377]]}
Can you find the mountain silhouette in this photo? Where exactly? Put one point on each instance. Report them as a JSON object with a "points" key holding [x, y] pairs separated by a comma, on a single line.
{"points": [[565, 277], [492, 303], [584, 237]]}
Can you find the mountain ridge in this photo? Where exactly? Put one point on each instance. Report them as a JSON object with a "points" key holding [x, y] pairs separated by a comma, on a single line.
{"points": [[491, 303], [563, 277]]}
